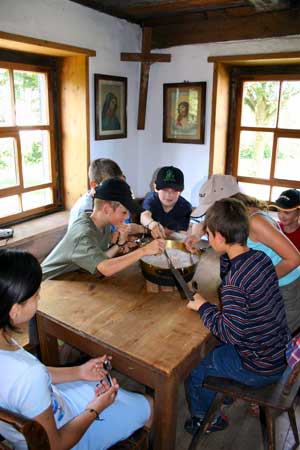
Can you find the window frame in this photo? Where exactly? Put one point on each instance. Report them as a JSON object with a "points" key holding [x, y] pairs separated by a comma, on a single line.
{"points": [[238, 75], [48, 65]]}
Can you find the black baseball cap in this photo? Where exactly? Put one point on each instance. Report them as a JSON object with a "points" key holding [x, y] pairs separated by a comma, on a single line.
{"points": [[169, 177], [289, 199], [117, 190]]}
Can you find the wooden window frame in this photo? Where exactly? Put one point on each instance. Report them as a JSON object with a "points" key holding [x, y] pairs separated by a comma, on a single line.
{"points": [[73, 107], [238, 76], [221, 131], [49, 69]]}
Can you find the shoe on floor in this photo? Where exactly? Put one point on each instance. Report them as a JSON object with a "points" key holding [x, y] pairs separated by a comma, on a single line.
{"points": [[193, 424]]}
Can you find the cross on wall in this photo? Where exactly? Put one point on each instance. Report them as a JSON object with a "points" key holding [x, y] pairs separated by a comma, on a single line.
{"points": [[146, 58]]}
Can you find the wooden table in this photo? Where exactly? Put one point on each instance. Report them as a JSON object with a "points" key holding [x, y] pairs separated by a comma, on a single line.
{"points": [[153, 338]]}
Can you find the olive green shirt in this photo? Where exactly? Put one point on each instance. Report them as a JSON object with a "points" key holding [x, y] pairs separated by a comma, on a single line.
{"points": [[82, 247]]}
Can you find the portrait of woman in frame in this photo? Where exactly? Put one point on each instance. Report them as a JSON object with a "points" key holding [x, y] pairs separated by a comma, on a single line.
{"points": [[110, 107], [184, 112]]}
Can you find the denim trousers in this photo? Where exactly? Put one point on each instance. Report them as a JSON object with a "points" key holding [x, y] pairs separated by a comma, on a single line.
{"points": [[222, 361]]}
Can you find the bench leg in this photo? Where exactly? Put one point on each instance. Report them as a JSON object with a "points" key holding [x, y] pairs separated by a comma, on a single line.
{"points": [[291, 413]]}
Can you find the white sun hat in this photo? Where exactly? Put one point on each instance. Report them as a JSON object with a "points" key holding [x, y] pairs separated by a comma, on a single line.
{"points": [[215, 188]]}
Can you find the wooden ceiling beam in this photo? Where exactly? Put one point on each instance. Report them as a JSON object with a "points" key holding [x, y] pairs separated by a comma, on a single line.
{"points": [[180, 6], [262, 25]]}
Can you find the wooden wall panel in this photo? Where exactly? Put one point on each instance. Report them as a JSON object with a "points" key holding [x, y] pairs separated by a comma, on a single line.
{"points": [[219, 119], [74, 110]]}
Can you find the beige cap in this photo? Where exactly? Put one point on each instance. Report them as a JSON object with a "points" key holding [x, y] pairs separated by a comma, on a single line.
{"points": [[215, 188]]}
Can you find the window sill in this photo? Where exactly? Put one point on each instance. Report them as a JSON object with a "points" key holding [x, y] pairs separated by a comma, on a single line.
{"points": [[38, 236]]}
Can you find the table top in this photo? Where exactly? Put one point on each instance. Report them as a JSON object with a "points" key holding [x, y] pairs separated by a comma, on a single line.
{"points": [[155, 328]]}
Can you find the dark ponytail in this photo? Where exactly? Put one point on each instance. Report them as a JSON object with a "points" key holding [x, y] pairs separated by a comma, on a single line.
{"points": [[20, 278]]}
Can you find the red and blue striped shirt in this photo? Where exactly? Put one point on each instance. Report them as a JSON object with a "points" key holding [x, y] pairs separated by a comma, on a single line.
{"points": [[252, 315]]}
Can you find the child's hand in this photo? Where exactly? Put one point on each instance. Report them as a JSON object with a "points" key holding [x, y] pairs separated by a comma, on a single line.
{"points": [[156, 247], [157, 230], [93, 370], [197, 303], [103, 398], [191, 242]]}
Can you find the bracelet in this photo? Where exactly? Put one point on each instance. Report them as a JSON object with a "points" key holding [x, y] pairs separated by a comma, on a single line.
{"points": [[120, 245], [92, 410]]}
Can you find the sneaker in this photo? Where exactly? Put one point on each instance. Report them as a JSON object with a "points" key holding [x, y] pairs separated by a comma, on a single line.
{"points": [[218, 424], [193, 424]]}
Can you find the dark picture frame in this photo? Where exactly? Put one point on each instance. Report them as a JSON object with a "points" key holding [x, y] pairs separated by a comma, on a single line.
{"points": [[110, 107], [184, 112]]}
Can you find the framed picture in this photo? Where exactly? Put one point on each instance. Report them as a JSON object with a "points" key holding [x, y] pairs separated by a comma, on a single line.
{"points": [[184, 112], [110, 107]]}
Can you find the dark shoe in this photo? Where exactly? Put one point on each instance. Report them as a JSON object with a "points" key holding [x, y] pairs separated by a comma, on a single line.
{"points": [[193, 424], [218, 424]]}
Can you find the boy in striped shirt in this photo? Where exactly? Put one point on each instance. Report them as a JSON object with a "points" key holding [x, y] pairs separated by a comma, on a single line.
{"points": [[251, 323]]}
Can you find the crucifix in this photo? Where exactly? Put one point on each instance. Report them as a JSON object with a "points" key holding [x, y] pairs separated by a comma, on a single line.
{"points": [[146, 58]]}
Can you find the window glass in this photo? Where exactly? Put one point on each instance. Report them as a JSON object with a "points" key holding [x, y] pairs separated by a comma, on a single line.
{"points": [[35, 157], [5, 99], [8, 163], [260, 103], [289, 116], [255, 154], [255, 190], [10, 205], [30, 97], [287, 164], [37, 198]]}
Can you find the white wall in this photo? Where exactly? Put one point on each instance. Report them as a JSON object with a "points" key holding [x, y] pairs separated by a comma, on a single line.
{"points": [[189, 63], [69, 23], [143, 151]]}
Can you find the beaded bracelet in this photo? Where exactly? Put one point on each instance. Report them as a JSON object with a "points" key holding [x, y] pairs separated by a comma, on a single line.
{"points": [[92, 410]]}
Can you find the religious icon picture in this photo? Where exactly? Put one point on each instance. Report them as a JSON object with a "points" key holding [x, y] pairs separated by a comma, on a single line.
{"points": [[110, 107], [184, 112]]}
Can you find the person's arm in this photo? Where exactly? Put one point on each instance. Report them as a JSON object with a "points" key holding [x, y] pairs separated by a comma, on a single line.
{"points": [[92, 370], [157, 230], [67, 436], [263, 231], [194, 237], [110, 266]]}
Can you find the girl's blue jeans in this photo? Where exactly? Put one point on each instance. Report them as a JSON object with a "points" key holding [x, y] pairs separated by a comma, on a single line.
{"points": [[222, 361]]}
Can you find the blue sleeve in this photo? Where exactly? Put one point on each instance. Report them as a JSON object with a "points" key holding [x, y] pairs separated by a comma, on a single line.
{"points": [[147, 203], [229, 323]]}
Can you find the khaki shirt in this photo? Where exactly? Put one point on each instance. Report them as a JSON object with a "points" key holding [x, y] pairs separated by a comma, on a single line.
{"points": [[82, 247]]}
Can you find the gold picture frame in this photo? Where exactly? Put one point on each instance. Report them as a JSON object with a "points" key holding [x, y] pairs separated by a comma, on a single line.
{"points": [[184, 112], [110, 107]]}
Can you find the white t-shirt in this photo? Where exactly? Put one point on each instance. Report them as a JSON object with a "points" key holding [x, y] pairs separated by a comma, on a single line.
{"points": [[25, 388]]}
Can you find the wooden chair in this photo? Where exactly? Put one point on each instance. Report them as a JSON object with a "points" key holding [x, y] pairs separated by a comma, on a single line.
{"points": [[36, 437], [276, 397]]}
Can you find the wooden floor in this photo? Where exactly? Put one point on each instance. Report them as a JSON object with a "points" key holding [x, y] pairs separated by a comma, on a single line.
{"points": [[243, 433]]}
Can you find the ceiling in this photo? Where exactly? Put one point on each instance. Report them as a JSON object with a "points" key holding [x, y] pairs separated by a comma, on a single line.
{"points": [[181, 22]]}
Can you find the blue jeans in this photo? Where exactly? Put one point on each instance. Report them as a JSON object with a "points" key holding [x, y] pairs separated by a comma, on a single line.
{"points": [[223, 361]]}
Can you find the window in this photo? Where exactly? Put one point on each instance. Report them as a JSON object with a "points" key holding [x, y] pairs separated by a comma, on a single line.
{"points": [[265, 129], [28, 156]]}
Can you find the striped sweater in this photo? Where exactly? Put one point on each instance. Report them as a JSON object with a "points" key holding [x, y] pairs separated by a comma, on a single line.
{"points": [[252, 316]]}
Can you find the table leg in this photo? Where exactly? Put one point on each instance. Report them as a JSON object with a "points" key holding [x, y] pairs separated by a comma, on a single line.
{"points": [[165, 413], [48, 344]]}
